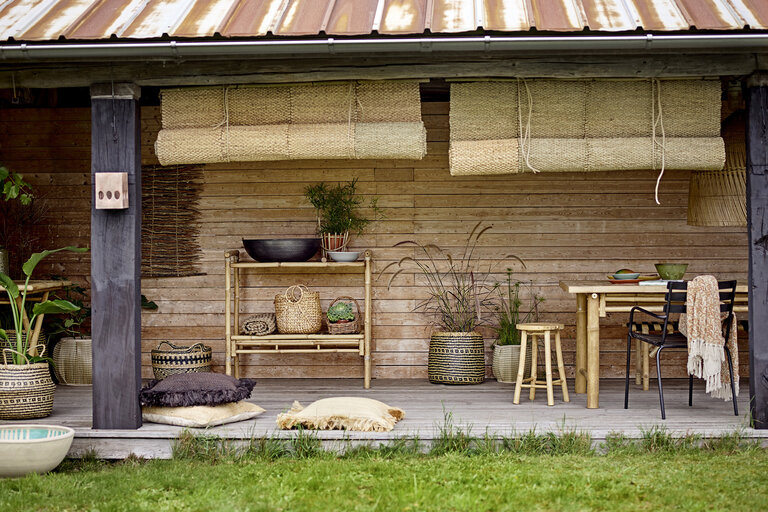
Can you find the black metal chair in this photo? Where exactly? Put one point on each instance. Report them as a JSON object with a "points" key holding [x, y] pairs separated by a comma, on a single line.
{"points": [[675, 304]]}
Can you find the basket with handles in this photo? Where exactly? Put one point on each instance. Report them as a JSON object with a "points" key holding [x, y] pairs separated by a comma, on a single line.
{"points": [[298, 311], [174, 359], [351, 327]]}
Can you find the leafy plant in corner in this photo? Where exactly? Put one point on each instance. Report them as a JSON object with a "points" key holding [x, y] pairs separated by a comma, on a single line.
{"points": [[14, 186], [55, 306], [459, 289], [338, 208], [508, 310], [340, 312], [73, 324]]}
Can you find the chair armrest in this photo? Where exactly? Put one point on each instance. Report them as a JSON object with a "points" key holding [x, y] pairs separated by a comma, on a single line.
{"points": [[644, 311]]}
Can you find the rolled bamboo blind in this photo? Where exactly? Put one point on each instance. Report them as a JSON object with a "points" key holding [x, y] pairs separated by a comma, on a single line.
{"points": [[585, 125], [350, 120]]}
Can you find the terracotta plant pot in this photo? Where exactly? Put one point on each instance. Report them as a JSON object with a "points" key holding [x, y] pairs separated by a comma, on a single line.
{"points": [[456, 358]]}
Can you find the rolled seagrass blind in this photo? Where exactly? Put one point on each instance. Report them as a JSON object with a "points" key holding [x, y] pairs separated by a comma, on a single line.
{"points": [[349, 120], [719, 198], [170, 226], [584, 125]]}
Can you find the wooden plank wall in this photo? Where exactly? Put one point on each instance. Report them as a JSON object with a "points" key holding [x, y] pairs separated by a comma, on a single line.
{"points": [[565, 226]]}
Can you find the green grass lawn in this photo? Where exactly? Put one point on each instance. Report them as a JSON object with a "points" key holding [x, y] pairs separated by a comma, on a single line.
{"points": [[680, 479]]}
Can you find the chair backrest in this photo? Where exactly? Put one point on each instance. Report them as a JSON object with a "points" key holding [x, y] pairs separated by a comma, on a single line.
{"points": [[677, 293]]}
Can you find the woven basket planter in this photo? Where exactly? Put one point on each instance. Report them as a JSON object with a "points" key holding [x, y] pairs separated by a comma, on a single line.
{"points": [[351, 327], [174, 359], [506, 361], [456, 358], [26, 391], [73, 361]]}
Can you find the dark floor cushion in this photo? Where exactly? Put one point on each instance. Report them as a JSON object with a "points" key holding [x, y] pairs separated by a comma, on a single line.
{"points": [[188, 389]]}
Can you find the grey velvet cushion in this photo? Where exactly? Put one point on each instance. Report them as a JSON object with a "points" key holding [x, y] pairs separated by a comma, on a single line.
{"points": [[188, 389]]}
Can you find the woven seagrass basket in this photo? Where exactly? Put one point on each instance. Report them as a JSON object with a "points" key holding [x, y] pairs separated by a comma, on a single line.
{"points": [[506, 361], [456, 358], [73, 361], [351, 327], [298, 314], [173, 360], [26, 391]]}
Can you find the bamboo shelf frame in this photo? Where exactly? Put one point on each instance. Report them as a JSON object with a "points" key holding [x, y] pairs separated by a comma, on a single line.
{"points": [[238, 344]]}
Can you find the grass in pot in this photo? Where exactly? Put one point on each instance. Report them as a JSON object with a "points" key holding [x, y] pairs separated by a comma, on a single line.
{"points": [[460, 298], [509, 313]]}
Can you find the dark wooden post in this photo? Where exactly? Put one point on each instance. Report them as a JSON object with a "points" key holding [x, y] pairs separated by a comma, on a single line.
{"points": [[116, 260], [757, 222]]}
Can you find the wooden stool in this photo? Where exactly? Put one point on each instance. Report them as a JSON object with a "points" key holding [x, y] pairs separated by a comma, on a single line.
{"points": [[535, 330]]}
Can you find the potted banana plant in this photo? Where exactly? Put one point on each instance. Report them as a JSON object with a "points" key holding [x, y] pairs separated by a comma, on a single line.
{"points": [[26, 387]]}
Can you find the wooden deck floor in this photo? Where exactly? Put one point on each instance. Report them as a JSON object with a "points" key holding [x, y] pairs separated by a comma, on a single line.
{"points": [[482, 408]]}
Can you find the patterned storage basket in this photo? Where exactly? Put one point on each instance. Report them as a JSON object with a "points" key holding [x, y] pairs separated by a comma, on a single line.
{"points": [[300, 314], [26, 390], [456, 358], [170, 361], [351, 327]]}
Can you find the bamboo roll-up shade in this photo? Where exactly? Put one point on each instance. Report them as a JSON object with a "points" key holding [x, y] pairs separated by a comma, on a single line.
{"points": [[719, 198], [585, 125], [340, 120]]}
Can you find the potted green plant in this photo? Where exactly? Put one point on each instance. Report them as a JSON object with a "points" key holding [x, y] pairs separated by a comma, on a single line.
{"points": [[26, 388], [460, 297], [339, 213], [509, 313], [72, 359], [12, 188]]}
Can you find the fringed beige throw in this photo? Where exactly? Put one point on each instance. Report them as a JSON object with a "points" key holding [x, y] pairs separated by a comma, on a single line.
{"points": [[342, 413], [703, 327]]}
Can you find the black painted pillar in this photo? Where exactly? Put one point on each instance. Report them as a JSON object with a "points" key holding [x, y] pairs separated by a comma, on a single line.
{"points": [[757, 225], [116, 260]]}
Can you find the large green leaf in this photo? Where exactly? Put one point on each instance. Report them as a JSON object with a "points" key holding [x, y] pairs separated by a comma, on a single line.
{"points": [[10, 287], [31, 263], [4, 335], [4, 172], [54, 307]]}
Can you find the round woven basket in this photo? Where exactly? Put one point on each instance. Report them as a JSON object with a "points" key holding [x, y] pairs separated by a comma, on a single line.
{"points": [[174, 359], [456, 358], [72, 361], [506, 361], [26, 391]]}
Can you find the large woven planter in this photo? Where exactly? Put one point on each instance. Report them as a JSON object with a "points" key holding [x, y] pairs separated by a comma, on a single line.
{"points": [[506, 361], [456, 358], [26, 391], [73, 361]]}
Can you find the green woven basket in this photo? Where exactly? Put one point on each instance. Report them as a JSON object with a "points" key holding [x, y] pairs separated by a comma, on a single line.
{"points": [[456, 358]]}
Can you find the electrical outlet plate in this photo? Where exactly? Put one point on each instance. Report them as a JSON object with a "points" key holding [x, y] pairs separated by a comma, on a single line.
{"points": [[111, 190]]}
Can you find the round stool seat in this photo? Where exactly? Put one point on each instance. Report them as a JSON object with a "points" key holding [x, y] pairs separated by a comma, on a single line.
{"points": [[539, 327]]}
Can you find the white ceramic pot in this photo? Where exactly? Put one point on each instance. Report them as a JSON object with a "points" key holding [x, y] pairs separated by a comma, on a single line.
{"points": [[32, 448]]}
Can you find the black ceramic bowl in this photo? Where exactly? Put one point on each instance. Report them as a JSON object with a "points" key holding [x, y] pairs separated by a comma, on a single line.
{"points": [[281, 249]]}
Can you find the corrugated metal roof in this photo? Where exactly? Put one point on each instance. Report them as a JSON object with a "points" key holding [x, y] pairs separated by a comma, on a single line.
{"points": [[49, 20]]}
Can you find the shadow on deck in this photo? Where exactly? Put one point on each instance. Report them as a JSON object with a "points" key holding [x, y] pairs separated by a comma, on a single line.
{"points": [[481, 409]]}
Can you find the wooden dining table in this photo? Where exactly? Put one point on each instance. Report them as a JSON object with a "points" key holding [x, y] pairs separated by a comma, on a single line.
{"points": [[37, 291], [595, 299]]}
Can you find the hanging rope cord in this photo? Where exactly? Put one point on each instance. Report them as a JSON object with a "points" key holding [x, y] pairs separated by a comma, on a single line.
{"points": [[524, 135], [225, 122], [657, 120]]}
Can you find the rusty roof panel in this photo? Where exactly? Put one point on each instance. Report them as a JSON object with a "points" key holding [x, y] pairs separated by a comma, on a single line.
{"points": [[558, 15], [450, 16], [352, 17], [503, 15], [47, 20], [404, 17]]}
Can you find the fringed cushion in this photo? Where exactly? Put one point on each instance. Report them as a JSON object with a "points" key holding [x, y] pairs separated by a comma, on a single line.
{"points": [[342, 413], [201, 416], [188, 389]]}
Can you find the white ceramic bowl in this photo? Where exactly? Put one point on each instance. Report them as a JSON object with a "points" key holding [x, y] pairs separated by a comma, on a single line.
{"points": [[32, 448], [626, 276], [345, 256]]}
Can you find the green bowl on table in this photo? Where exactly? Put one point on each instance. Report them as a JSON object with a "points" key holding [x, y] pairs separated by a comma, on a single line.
{"points": [[671, 271]]}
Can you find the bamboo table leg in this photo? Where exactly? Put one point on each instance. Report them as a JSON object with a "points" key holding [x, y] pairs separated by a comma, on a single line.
{"points": [[534, 366], [520, 367], [38, 327], [561, 366], [367, 325], [227, 318], [548, 368], [593, 351], [580, 379]]}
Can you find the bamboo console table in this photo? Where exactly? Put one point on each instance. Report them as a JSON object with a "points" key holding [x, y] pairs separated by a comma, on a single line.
{"points": [[237, 344]]}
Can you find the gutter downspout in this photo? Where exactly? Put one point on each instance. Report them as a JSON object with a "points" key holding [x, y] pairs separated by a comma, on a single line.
{"points": [[175, 49]]}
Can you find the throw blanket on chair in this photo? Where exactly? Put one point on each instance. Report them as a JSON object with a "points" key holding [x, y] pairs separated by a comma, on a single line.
{"points": [[703, 326]]}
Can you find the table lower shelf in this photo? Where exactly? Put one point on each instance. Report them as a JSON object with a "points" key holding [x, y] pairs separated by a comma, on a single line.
{"points": [[299, 343]]}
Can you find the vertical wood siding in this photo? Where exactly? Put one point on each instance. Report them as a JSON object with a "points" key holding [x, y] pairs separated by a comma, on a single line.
{"points": [[565, 226]]}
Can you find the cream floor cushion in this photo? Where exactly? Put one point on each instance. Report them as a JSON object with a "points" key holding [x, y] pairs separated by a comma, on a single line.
{"points": [[201, 416], [342, 413]]}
